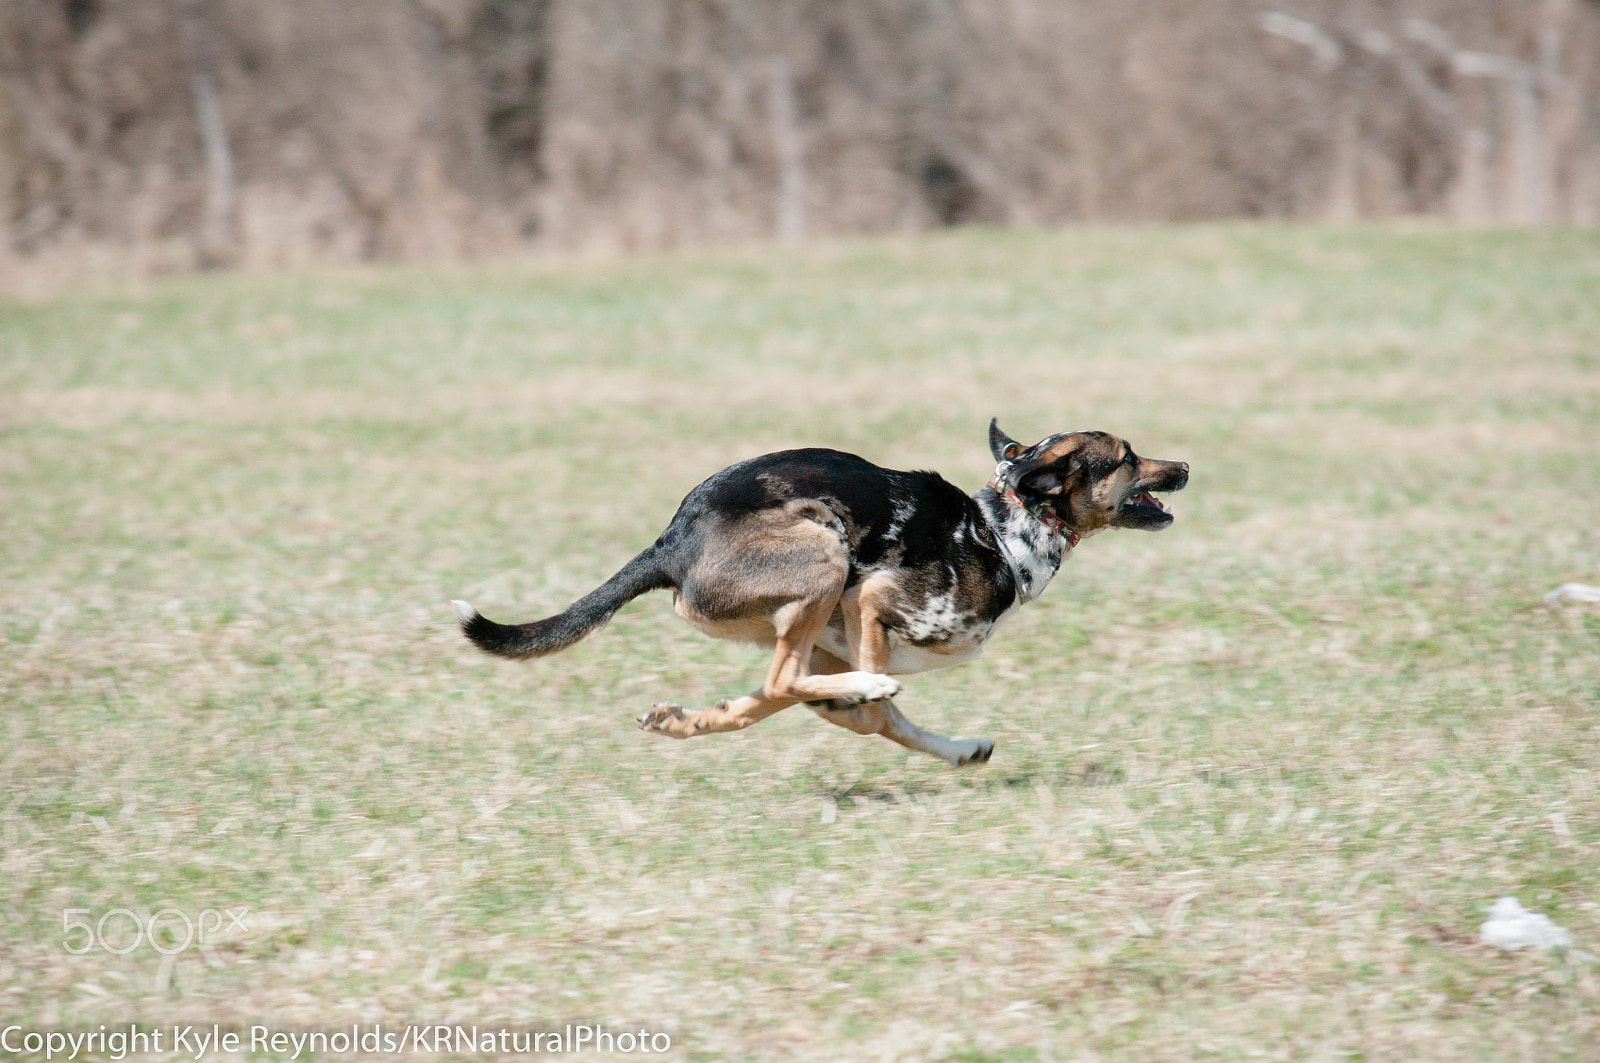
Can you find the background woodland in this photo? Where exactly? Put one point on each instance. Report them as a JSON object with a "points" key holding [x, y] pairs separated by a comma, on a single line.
{"points": [[226, 132]]}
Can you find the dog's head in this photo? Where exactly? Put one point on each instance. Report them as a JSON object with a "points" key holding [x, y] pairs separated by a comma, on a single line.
{"points": [[1091, 480]]}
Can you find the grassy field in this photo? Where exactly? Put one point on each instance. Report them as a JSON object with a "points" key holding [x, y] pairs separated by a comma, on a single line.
{"points": [[1256, 779]]}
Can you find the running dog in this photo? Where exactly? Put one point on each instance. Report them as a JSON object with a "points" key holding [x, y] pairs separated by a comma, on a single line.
{"points": [[852, 573]]}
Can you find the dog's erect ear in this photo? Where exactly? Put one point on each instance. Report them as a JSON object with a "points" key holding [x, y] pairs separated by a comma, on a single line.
{"points": [[1051, 479], [1002, 446]]}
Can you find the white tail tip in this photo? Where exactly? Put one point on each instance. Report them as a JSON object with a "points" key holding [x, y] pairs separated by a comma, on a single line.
{"points": [[465, 613]]}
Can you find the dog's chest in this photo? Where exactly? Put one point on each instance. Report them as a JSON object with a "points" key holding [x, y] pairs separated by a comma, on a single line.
{"points": [[924, 636]]}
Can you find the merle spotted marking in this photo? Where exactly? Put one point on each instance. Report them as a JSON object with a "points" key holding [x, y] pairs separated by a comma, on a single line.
{"points": [[853, 573]]}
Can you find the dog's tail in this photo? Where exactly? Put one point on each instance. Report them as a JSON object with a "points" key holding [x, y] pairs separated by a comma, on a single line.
{"points": [[583, 618]]}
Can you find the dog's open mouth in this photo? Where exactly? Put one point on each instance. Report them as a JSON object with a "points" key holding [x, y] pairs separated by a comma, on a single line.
{"points": [[1143, 510], [1144, 503]]}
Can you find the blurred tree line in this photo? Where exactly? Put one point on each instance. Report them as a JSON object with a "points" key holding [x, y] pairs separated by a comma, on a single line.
{"points": [[300, 130]]}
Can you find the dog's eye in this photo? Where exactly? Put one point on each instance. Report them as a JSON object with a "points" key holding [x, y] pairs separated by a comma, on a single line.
{"points": [[1129, 460]]}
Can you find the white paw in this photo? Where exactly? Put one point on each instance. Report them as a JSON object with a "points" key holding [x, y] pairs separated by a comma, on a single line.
{"points": [[875, 687], [974, 752]]}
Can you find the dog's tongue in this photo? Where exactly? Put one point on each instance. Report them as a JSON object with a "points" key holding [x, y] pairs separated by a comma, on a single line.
{"points": [[1149, 499]]}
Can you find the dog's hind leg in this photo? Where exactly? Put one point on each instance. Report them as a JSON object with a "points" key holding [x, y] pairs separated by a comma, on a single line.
{"points": [[786, 684], [803, 569]]}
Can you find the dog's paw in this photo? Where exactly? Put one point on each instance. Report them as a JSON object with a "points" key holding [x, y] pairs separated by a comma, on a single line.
{"points": [[661, 718], [873, 687], [974, 753]]}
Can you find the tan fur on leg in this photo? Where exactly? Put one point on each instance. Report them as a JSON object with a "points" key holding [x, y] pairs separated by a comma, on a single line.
{"points": [[790, 677], [676, 722]]}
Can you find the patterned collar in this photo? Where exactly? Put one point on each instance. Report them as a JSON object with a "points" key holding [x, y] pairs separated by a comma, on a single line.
{"points": [[1043, 514]]}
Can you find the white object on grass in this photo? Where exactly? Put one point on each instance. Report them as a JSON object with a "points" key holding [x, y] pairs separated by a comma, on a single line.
{"points": [[1511, 926], [1572, 592]]}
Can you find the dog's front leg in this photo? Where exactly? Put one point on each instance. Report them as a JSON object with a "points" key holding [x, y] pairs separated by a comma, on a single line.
{"points": [[883, 718]]}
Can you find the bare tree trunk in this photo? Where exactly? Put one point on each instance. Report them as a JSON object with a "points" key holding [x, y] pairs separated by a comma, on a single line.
{"points": [[10, 162], [1344, 191], [783, 118], [1470, 199], [1518, 89], [217, 243], [217, 226]]}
